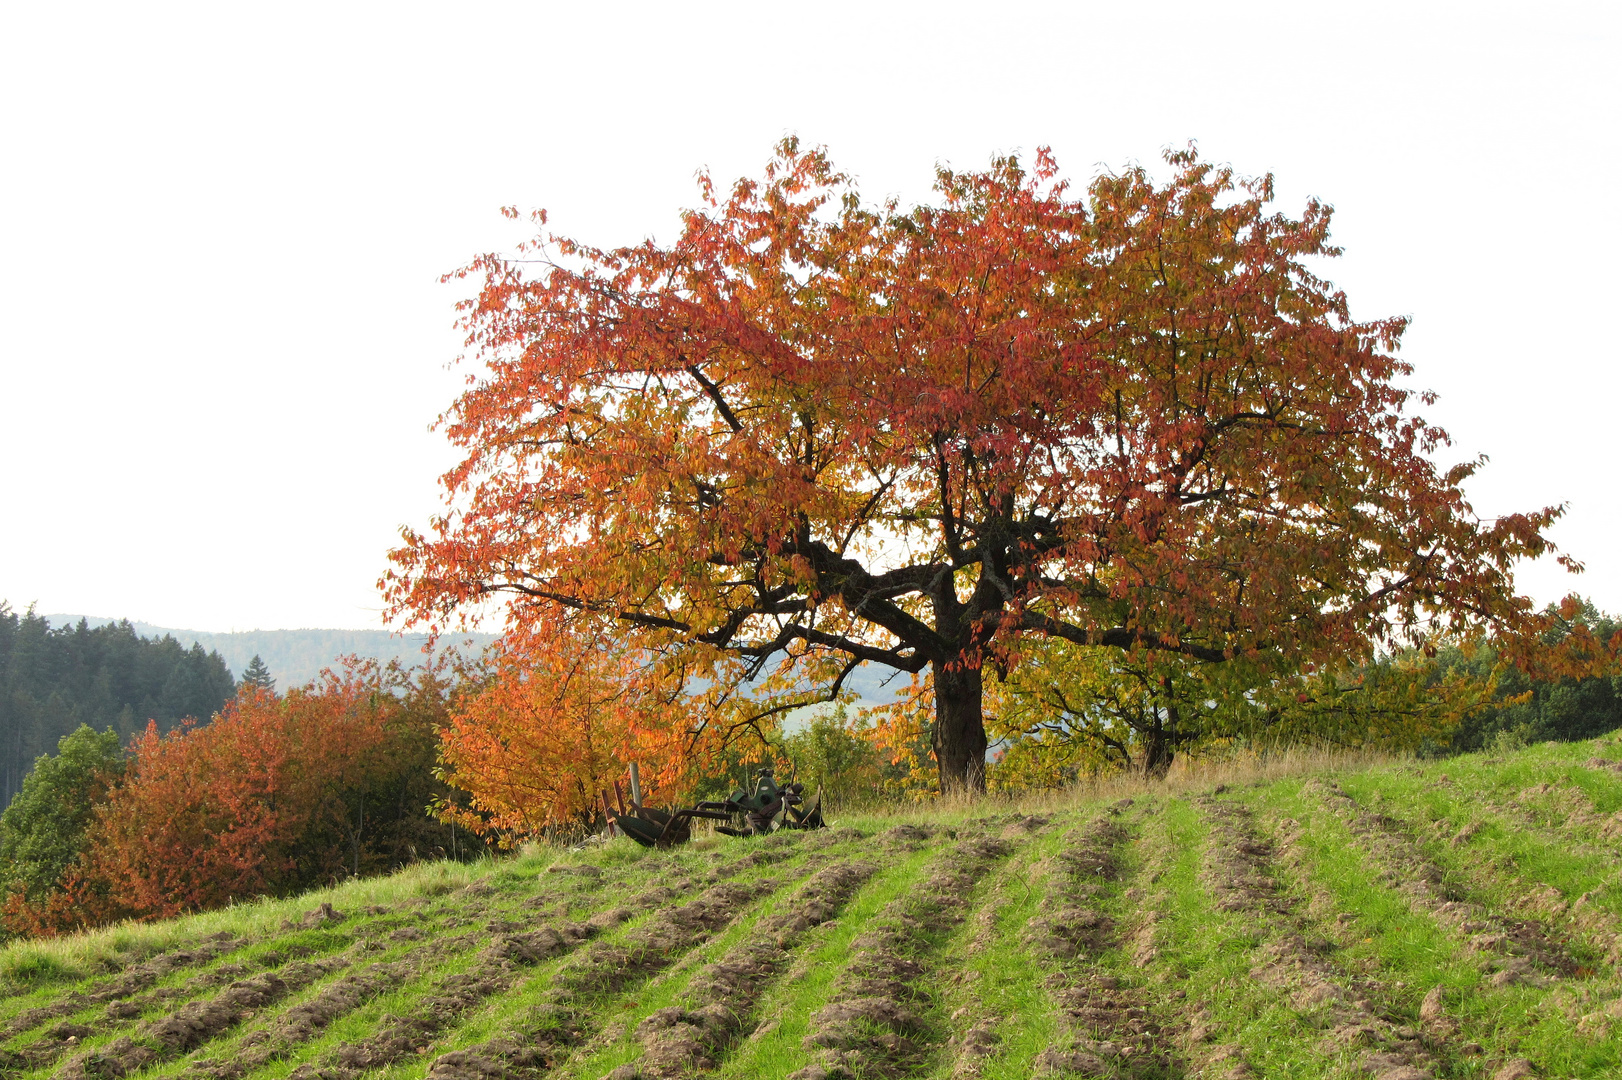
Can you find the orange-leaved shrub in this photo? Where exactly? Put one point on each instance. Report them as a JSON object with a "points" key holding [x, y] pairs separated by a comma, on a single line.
{"points": [[557, 721]]}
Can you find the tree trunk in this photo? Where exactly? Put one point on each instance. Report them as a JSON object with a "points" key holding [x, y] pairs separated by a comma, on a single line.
{"points": [[1160, 741], [960, 732], [1157, 752]]}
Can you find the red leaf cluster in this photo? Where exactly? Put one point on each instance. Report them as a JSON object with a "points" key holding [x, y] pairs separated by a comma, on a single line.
{"points": [[260, 800]]}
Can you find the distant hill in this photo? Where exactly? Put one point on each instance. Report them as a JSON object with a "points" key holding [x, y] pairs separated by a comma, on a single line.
{"points": [[295, 656]]}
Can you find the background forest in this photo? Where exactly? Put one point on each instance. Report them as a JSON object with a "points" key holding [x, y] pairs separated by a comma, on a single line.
{"points": [[293, 657], [52, 680]]}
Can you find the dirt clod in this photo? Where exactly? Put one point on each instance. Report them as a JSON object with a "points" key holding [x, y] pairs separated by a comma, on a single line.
{"points": [[322, 914], [585, 870], [906, 836]]}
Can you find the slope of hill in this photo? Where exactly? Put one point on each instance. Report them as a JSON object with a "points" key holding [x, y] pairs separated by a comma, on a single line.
{"points": [[1460, 918], [296, 656]]}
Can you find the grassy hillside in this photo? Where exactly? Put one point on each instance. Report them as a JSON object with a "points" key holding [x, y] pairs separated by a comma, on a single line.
{"points": [[1402, 920]]}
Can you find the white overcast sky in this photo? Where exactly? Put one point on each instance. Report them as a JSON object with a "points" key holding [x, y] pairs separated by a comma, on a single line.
{"points": [[222, 340]]}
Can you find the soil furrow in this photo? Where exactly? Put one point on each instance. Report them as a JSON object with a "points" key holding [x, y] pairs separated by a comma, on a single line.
{"points": [[121, 1013], [192, 1023], [307, 1020], [1542, 901], [495, 971], [1240, 875], [873, 1026], [976, 1023], [558, 1022], [974, 1036], [685, 1040], [562, 1020], [127, 983], [1438, 1030], [133, 993], [1521, 950], [1587, 993], [1570, 805], [1108, 1026], [196, 1022]]}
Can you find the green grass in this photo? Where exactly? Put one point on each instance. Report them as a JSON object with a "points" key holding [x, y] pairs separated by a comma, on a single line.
{"points": [[1506, 862], [1375, 939], [1207, 954], [1498, 868], [1003, 980], [1384, 937], [631, 1006], [53, 965], [777, 1050]]}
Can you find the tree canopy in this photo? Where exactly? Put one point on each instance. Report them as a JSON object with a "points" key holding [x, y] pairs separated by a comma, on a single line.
{"points": [[275, 794], [812, 432], [1571, 704]]}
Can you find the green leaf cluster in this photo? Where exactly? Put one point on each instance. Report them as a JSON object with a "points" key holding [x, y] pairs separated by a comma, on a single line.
{"points": [[835, 761], [1069, 711], [44, 830], [1527, 710]]}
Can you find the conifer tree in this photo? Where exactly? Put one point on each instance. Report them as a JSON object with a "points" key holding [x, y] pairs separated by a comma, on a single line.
{"points": [[257, 674], [53, 679]]}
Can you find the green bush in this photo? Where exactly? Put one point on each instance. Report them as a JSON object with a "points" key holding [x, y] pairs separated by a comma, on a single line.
{"points": [[834, 761], [42, 832]]}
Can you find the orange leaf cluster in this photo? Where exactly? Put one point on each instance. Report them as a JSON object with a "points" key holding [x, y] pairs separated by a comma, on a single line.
{"points": [[556, 725]]}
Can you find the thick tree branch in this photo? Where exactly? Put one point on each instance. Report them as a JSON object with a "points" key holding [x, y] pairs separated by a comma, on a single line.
{"points": [[1116, 637]]}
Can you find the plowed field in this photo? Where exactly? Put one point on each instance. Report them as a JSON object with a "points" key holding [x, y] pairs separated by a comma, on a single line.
{"points": [[1451, 919]]}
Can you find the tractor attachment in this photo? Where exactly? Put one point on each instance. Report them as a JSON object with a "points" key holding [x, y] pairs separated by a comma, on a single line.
{"points": [[767, 808]]}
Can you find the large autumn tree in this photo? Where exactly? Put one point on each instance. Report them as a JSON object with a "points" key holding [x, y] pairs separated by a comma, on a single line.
{"points": [[813, 432]]}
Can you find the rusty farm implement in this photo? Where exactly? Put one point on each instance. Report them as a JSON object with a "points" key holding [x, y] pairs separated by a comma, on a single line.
{"points": [[763, 808]]}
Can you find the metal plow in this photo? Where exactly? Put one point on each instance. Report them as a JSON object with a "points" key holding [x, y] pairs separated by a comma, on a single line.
{"points": [[768, 807]]}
